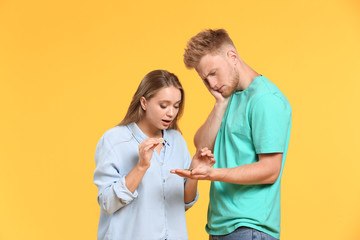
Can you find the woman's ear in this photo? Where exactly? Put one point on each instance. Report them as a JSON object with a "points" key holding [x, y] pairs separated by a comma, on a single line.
{"points": [[143, 103]]}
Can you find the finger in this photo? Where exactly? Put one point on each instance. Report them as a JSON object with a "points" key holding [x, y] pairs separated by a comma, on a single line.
{"points": [[152, 144], [208, 154], [205, 149], [149, 148], [148, 142], [182, 175], [197, 172], [181, 172], [158, 140], [151, 141]]}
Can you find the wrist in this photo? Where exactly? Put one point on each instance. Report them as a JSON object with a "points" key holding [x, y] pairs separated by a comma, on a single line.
{"points": [[213, 174], [222, 102], [141, 167]]}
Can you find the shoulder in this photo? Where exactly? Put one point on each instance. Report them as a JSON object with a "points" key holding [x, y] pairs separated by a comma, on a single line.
{"points": [[116, 131], [116, 134], [175, 136], [173, 132], [268, 94], [271, 102]]}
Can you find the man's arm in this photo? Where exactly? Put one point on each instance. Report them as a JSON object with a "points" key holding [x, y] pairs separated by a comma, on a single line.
{"points": [[265, 171], [206, 134]]}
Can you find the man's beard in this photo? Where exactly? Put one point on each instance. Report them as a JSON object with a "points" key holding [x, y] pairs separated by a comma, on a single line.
{"points": [[233, 84]]}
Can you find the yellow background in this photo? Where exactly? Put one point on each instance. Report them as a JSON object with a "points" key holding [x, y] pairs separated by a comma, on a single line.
{"points": [[68, 70]]}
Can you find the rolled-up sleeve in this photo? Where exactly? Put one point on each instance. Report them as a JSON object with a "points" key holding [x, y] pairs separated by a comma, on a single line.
{"points": [[112, 191], [190, 204]]}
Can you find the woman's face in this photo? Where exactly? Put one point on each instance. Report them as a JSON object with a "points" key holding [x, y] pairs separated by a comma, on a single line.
{"points": [[162, 108]]}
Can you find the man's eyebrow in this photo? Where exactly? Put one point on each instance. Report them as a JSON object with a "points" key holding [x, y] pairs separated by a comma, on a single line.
{"points": [[210, 72]]}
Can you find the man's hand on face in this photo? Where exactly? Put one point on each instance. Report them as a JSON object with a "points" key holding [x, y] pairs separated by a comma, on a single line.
{"points": [[217, 95]]}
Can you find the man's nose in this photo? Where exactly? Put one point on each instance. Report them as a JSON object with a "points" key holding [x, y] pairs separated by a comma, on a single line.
{"points": [[212, 82]]}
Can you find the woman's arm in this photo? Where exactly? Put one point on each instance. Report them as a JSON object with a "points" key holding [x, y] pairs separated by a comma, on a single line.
{"points": [[203, 157], [114, 189], [134, 177]]}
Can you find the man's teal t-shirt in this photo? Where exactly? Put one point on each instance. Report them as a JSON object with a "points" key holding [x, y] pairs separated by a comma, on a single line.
{"points": [[257, 120]]}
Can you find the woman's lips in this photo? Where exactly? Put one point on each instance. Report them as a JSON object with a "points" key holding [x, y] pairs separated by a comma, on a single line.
{"points": [[166, 122]]}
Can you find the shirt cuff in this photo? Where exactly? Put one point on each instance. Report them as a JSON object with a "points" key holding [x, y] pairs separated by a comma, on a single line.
{"points": [[123, 193], [190, 204]]}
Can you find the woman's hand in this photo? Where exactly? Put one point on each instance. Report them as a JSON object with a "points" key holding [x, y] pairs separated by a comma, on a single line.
{"points": [[146, 149], [202, 158]]}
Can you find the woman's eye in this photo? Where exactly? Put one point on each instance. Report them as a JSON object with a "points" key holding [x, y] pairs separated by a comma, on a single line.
{"points": [[163, 106], [176, 107]]}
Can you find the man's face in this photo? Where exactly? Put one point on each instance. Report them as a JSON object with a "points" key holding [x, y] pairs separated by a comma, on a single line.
{"points": [[218, 73]]}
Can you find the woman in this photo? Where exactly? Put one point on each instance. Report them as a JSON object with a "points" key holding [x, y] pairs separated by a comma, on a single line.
{"points": [[139, 198]]}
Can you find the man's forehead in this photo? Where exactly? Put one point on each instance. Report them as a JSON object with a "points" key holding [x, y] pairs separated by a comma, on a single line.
{"points": [[206, 64]]}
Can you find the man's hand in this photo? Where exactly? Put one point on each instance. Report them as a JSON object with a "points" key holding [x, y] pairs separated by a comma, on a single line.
{"points": [[203, 157], [217, 95], [200, 173], [200, 166]]}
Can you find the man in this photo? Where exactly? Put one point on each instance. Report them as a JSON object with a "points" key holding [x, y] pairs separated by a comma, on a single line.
{"points": [[248, 130]]}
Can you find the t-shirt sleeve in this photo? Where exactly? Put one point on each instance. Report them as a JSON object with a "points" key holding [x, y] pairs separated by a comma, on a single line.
{"points": [[270, 122]]}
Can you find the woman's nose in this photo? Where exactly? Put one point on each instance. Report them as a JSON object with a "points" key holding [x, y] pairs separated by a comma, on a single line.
{"points": [[170, 112]]}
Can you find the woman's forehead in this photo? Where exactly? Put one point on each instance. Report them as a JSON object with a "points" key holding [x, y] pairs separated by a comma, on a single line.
{"points": [[171, 94]]}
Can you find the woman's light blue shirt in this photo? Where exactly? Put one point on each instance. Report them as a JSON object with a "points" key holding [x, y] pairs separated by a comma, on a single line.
{"points": [[156, 210]]}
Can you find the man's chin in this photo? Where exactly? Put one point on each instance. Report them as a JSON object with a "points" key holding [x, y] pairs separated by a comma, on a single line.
{"points": [[225, 94]]}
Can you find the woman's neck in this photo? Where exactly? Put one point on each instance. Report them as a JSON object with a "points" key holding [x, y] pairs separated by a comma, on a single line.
{"points": [[149, 130]]}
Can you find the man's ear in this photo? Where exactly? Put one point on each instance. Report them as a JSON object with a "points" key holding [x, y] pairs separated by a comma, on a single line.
{"points": [[143, 103], [232, 55]]}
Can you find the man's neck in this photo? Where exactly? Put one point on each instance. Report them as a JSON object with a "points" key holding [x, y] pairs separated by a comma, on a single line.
{"points": [[246, 75]]}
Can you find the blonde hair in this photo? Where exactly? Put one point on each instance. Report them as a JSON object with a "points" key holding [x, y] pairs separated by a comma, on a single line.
{"points": [[149, 86], [205, 42]]}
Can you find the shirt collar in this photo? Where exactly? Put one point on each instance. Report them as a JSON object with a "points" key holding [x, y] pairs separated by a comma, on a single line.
{"points": [[140, 136]]}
